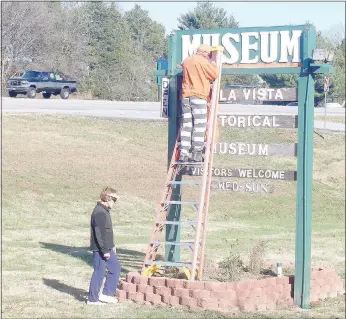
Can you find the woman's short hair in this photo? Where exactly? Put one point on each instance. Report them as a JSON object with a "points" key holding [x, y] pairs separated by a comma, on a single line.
{"points": [[107, 194]]}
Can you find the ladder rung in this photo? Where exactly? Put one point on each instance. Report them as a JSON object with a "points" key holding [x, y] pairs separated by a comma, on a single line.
{"points": [[185, 183], [177, 243], [168, 263], [189, 163], [180, 202], [176, 223]]}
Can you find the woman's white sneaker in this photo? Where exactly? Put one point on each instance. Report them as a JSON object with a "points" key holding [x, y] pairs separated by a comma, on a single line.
{"points": [[95, 303], [108, 299]]}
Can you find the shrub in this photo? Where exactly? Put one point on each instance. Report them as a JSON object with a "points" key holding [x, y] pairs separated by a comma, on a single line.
{"points": [[232, 267], [256, 262]]}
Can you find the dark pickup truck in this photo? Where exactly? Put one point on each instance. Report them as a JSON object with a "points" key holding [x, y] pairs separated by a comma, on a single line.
{"points": [[32, 82]]}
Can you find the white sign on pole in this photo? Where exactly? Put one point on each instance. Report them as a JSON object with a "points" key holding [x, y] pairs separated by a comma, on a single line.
{"points": [[326, 84], [164, 97]]}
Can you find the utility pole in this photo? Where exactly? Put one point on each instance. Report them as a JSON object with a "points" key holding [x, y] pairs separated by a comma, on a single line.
{"points": [[326, 89]]}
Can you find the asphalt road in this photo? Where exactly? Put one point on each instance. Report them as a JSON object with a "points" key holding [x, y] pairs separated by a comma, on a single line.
{"points": [[145, 110]]}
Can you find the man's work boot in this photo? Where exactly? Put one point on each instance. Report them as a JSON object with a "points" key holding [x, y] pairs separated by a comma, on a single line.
{"points": [[197, 157]]}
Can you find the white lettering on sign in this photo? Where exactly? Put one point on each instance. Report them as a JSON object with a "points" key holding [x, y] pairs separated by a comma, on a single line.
{"points": [[232, 95], [256, 149], [190, 47], [249, 121], [219, 172], [290, 46], [241, 149], [269, 54], [246, 94], [258, 188], [250, 187], [247, 47], [270, 93], [261, 94], [164, 97], [278, 95], [261, 173], [253, 173], [215, 39], [250, 52], [230, 48]]}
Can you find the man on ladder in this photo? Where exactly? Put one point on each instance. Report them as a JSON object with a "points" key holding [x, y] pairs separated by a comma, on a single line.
{"points": [[198, 122], [198, 72]]}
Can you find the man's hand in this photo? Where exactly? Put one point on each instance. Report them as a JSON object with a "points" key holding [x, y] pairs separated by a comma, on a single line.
{"points": [[106, 256]]}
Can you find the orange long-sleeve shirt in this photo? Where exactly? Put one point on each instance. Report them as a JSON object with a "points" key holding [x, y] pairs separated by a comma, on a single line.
{"points": [[197, 74]]}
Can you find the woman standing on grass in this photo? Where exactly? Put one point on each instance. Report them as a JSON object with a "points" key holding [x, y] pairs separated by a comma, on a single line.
{"points": [[102, 243]]}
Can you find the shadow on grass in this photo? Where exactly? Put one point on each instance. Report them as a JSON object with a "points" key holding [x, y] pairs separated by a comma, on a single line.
{"points": [[79, 294], [130, 260]]}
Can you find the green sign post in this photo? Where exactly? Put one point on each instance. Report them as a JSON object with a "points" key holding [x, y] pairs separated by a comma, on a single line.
{"points": [[269, 50]]}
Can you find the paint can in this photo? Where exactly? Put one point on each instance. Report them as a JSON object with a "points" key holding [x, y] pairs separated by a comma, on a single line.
{"points": [[279, 269]]}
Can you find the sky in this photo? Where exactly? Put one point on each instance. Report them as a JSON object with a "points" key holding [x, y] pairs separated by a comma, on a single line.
{"points": [[324, 15]]}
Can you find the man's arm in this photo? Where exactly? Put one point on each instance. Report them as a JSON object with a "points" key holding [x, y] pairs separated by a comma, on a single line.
{"points": [[99, 229], [211, 71]]}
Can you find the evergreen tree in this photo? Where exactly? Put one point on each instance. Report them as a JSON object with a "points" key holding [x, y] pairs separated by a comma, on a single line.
{"points": [[206, 15]]}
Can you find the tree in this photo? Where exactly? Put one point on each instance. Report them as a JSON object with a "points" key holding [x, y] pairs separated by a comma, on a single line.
{"points": [[335, 34], [22, 34], [332, 42], [149, 44], [280, 80], [291, 80], [206, 16], [122, 52], [336, 38], [110, 55], [110, 47], [339, 77], [59, 44], [146, 33], [65, 49]]}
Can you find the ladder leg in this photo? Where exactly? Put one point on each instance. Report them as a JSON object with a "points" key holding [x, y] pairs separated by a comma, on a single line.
{"points": [[162, 208], [173, 231], [206, 208], [206, 181]]}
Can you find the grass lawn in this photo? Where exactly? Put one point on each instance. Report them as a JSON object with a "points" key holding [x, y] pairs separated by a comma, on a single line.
{"points": [[331, 118], [54, 168]]}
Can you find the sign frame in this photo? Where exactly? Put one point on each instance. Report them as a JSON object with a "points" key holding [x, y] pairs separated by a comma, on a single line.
{"points": [[241, 68], [306, 68]]}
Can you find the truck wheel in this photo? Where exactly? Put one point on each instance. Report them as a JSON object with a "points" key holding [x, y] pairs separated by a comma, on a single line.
{"points": [[65, 93], [12, 94], [46, 95], [31, 93]]}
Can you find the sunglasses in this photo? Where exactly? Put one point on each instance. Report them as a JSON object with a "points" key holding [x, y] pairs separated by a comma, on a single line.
{"points": [[114, 199]]}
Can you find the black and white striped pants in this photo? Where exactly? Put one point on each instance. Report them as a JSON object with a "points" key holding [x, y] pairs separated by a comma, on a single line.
{"points": [[193, 126]]}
